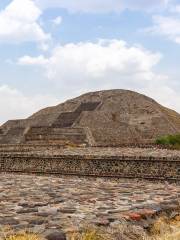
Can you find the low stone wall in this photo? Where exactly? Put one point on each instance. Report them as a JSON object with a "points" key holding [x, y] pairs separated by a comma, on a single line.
{"points": [[107, 166]]}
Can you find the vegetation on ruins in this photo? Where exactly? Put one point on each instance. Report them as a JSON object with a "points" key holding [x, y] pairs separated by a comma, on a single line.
{"points": [[169, 140], [163, 229], [22, 236]]}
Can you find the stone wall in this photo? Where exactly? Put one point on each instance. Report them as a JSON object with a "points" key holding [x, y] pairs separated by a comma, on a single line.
{"points": [[107, 166]]}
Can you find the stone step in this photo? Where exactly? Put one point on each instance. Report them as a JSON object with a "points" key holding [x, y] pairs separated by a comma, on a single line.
{"points": [[50, 134], [55, 130], [66, 119]]}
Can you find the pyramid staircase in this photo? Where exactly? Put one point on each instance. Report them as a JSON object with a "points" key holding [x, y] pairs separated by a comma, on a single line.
{"points": [[62, 130], [54, 135], [67, 119]]}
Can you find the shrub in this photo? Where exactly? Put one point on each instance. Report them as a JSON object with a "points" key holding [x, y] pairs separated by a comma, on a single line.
{"points": [[165, 229], [169, 140]]}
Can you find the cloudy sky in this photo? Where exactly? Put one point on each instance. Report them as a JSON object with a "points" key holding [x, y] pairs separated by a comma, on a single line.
{"points": [[52, 50]]}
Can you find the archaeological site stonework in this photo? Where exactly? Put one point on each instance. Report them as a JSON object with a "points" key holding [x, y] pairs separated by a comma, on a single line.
{"points": [[62, 139], [90, 161]]}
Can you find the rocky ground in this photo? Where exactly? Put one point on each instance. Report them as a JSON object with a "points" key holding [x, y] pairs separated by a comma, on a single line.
{"points": [[44, 203]]}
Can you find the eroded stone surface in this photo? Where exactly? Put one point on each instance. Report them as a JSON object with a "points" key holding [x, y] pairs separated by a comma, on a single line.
{"points": [[42, 203]]}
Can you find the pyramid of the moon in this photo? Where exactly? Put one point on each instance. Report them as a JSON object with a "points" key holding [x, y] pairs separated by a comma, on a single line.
{"points": [[103, 118]]}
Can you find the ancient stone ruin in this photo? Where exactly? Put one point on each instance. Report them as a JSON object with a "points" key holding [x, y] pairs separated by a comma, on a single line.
{"points": [[94, 122]]}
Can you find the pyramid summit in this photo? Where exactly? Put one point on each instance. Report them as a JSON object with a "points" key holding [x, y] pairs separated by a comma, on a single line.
{"points": [[102, 118]]}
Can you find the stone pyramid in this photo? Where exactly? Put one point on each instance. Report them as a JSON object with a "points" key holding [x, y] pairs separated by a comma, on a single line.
{"points": [[102, 118]]}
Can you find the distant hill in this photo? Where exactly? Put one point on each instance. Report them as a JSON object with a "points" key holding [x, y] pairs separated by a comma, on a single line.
{"points": [[110, 117]]}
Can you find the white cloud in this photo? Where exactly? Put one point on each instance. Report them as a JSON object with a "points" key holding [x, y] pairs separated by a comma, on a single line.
{"points": [[27, 60], [107, 64], [103, 5], [19, 23], [57, 21], [95, 61], [14, 104], [168, 27]]}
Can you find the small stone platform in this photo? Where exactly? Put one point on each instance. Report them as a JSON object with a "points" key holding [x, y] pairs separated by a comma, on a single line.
{"points": [[41, 203]]}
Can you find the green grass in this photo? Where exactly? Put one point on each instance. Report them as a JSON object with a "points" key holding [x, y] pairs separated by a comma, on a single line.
{"points": [[169, 140]]}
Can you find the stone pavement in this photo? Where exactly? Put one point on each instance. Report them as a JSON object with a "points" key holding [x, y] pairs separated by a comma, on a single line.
{"points": [[41, 203]]}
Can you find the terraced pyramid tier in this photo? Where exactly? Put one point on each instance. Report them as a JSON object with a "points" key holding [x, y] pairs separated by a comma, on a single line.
{"points": [[103, 118]]}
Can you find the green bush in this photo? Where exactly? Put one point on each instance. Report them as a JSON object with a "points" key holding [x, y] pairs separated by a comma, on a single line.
{"points": [[171, 140]]}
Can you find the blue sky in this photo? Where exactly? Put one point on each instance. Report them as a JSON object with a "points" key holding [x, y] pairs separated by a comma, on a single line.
{"points": [[52, 50]]}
